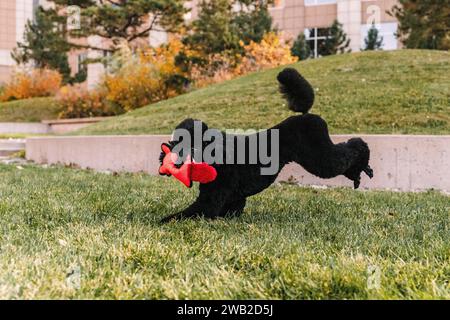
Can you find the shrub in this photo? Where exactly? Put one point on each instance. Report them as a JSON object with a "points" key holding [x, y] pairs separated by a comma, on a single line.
{"points": [[300, 48], [78, 102], [336, 41], [146, 76], [214, 68], [373, 41], [29, 84], [271, 52]]}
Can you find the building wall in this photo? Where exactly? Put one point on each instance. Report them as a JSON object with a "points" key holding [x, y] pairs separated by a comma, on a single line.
{"points": [[367, 10], [349, 14], [14, 15], [375, 11], [7, 37], [294, 16], [5, 73]]}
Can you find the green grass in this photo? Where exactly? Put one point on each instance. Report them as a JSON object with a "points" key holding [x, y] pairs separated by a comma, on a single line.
{"points": [[29, 110], [22, 135], [405, 92], [291, 242]]}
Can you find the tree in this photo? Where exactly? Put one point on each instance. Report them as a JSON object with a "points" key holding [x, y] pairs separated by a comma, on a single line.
{"points": [[336, 41], [44, 43], [423, 24], [373, 41], [212, 31], [124, 20], [253, 20], [300, 48], [47, 39], [223, 24]]}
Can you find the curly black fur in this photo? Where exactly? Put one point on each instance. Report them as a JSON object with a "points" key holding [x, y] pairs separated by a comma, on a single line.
{"points": [[303, 139], [296, 90]]}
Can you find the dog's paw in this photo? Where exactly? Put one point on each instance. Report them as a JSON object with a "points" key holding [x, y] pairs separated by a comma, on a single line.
{"points": [[356, 183], [368, 170]]}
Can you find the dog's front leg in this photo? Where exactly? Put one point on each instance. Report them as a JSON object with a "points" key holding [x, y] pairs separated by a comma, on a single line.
{"points": [[191, 211], [209, 204]]}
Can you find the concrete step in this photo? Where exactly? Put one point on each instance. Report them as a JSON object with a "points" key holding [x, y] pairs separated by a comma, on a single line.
{"points": [[11, 146]]}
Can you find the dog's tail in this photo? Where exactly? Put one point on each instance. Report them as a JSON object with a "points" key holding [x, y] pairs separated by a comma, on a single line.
{"points": [[296, 90]]}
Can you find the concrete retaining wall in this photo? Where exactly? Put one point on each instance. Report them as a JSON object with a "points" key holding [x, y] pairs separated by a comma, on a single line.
{"points": [[48, 126], [115, 153], [406, 163], [24, 127], [68, 125], [11, 146]]}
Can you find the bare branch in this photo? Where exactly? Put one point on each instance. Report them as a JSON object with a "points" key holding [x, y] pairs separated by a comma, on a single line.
{"points": [[145, 31]]}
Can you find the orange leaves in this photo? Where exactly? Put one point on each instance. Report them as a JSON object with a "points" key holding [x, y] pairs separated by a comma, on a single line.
{"points": [[35, 83], [271, 52], [145, 77], [78, 102]]}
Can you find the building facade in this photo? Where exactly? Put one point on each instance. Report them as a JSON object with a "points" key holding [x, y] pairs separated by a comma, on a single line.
{"points": [[13, 18], [311, 17]]}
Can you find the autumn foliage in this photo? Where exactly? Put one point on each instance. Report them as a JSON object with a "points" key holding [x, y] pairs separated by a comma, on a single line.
{"points": [[29, 84], [78, 102], [146, 76], [271, 52]]}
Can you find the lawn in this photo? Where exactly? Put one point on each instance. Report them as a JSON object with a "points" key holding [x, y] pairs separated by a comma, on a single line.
{"points": [[29, 110], [291, 242], [405, 92]]}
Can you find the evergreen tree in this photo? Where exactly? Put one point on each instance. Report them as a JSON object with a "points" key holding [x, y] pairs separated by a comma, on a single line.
{"points": [[45, 43], [213, 31], [373, 41], [124, 21], [253, 20], [423, 24], [222, 24], [336, 41], [300, 48]]}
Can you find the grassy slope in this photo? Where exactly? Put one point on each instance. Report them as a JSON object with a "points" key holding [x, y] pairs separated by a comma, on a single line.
{"points": [[29, 110], [377, 92], [291, 242]]}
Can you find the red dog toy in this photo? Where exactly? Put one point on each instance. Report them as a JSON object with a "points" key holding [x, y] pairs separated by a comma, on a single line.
{"points": [[190, 171]]}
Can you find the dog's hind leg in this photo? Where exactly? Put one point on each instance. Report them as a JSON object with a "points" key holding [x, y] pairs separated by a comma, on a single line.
{"points": [[317, 153]]}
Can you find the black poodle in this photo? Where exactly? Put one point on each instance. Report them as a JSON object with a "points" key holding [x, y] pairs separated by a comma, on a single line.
{"points": [[303, 139]]}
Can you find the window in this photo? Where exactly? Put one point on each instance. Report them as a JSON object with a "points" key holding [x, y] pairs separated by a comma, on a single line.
{"points": [[318, 2], [386, 30], [188, 15], [82, 62], [107, 59], [315, 37]]}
